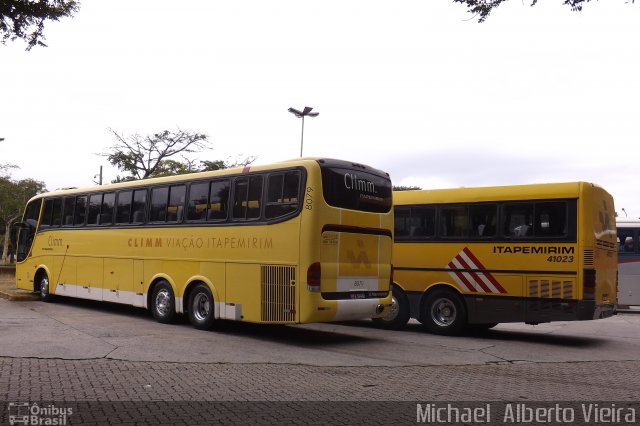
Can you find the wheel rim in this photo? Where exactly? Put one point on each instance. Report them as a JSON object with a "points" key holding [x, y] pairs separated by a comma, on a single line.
{"points": [[163, 302], [44, 287], [443, 312], [201, 306], [393, 310]]}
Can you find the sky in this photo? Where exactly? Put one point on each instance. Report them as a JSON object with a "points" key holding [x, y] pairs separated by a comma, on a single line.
{"points": [[417, 88]]}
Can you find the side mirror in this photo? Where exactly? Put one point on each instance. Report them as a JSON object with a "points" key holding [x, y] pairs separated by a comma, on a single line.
{"points": [[13, 237]]}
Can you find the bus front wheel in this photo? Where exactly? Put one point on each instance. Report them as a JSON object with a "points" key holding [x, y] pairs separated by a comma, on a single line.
{"points": [[399, 314], [163, 302], [44, 288], [444, 313], [201, 309]]}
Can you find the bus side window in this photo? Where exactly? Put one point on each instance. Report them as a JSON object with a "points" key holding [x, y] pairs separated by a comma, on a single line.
{"points": [[625, 240], [139, 206], [80, 211], [67, 210], [401, 222], [483, 220], [551, 219], [255, 197], [454, 221], [94, 209], [159, 198], [422, 222], [218, 200], [517, 220], [107, 208], [282, 194], [197, 203], [56, 218], [175, 208], [246, 198], [47, 213], [123, 209]]}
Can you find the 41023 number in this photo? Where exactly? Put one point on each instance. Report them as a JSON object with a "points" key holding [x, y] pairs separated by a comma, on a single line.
{"points": [[560, 259]]}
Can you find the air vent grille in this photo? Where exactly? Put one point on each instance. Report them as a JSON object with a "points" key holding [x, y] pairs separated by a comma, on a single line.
{"points": [[278, 293], [588, 258]]}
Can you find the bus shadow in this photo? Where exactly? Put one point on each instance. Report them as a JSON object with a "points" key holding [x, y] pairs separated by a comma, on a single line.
{"points": [[103, 307], [494, 334], [289, 334], [560, 340]]}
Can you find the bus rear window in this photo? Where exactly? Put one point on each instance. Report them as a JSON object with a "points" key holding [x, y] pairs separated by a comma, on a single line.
{"points": [[356, 189]]}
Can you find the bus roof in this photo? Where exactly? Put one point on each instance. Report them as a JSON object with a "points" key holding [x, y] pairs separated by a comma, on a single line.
{"points": [[210, 174], [492, 193]]}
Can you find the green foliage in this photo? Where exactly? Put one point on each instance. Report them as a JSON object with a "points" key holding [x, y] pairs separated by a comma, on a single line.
{"points": [[210, 166], [405, 188], [482, 8], [14, 195], [25, 19]]}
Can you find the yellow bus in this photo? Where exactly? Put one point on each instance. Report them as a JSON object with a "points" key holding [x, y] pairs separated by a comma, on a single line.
{"points": [[299, 241], [481, 256]]}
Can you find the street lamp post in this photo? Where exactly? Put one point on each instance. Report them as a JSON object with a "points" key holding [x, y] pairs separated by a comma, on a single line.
{"points": [[306, 112]]}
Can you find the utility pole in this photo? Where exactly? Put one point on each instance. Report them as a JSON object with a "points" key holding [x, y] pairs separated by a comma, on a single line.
{"points": [[306, 112], [99, 176]]}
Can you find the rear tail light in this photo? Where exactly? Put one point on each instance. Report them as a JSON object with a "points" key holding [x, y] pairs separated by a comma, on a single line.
{"points": [[589, 284], [313, 277]]}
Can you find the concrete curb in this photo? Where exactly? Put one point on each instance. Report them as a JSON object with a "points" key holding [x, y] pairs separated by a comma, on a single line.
{"points": [[8, 288], [17, 295]]}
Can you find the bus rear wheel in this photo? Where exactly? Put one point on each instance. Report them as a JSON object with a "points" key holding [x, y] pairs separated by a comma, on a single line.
{"points": [[163, 302], [43, 288], [201, 307], [444, 313], [399, 313]]}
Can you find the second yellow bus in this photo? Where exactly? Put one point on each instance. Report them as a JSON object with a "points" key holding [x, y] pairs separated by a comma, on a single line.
{"points": [[481, 256]]}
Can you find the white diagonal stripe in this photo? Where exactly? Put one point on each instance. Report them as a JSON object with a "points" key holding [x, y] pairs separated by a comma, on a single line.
{"points": [[467, 275], [482, 276]]}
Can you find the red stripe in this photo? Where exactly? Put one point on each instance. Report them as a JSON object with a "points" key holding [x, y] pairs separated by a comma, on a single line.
{"points": [[461, 277], [481, 266], [474, 275]]}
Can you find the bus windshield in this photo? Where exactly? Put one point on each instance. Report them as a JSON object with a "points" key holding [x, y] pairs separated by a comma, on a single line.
{"points": [[356, 187]]}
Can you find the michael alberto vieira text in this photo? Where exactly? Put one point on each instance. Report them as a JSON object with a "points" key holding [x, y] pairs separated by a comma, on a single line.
{"points": [[523, 413]]}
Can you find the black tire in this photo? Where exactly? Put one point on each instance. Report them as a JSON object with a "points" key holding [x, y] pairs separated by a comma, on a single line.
{"points": [[201, 307], [43, 288], [444, 313], [400, 312], [163, 303]]}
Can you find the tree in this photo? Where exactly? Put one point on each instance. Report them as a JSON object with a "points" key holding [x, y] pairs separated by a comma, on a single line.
{"points": [[148, 156], [482, 8], [210, 166], [25, 19], [14, 194]]}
